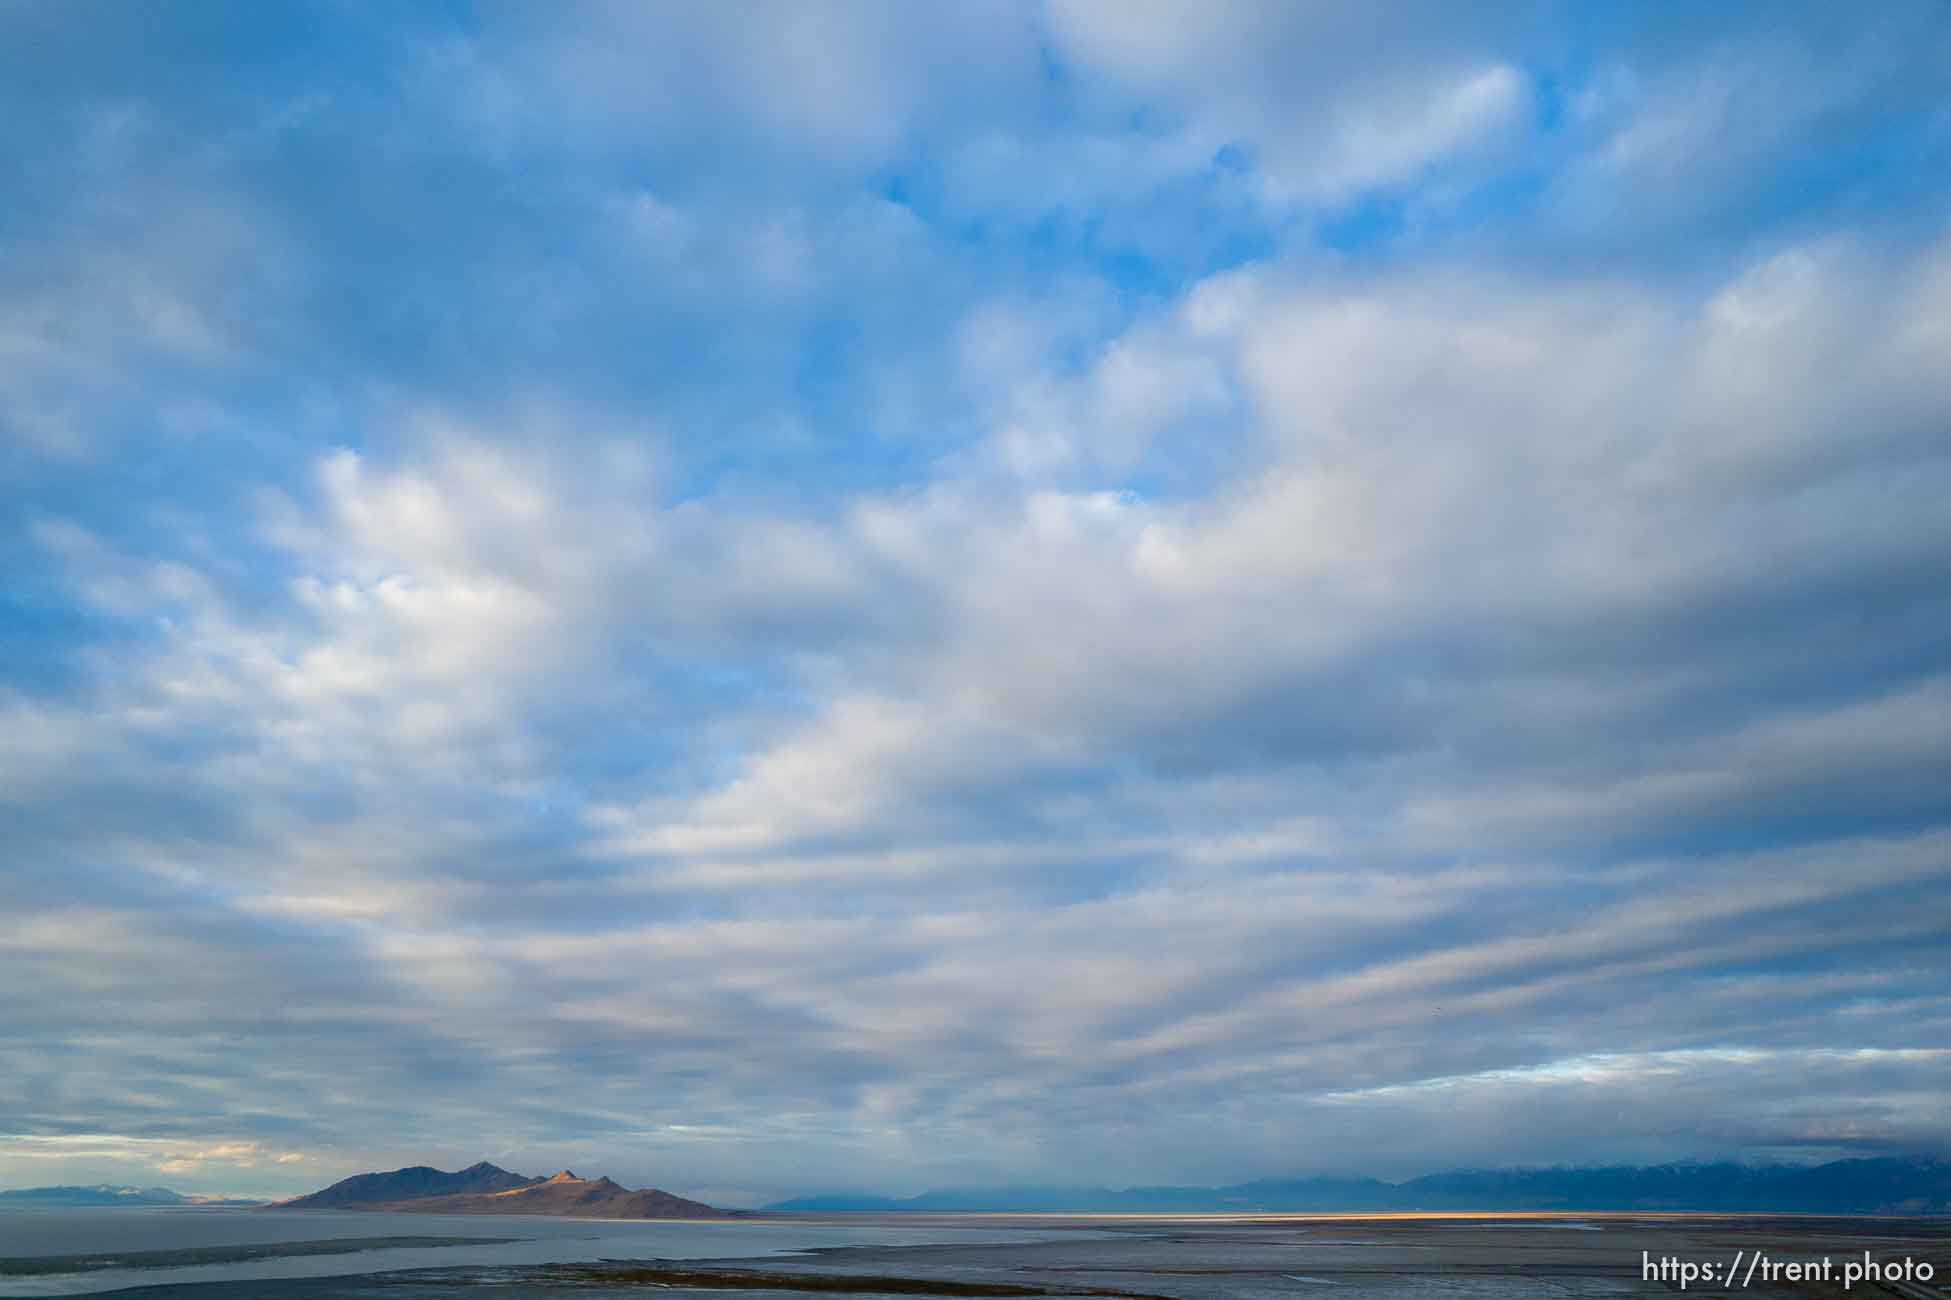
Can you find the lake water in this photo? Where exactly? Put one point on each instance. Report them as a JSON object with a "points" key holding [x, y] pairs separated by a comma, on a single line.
{"points": [[36, 1234], [1262, 1257]]}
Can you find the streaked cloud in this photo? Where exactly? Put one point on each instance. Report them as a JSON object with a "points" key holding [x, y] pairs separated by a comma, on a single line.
{"points": [[929, 594]]}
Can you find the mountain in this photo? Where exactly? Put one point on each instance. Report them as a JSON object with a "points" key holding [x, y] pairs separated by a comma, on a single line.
{"points": [[1874, 1186], [105, 1194], [1311, 1193], [565, 1194], [486, 1189], [413, 1183], [1887, 1185]]}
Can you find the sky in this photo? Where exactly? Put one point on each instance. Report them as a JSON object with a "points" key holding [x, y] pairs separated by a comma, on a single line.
{"points": [[870, 596]]}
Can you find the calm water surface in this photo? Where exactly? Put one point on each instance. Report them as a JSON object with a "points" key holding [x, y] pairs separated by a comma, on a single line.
{"points": [[25, 1234]]}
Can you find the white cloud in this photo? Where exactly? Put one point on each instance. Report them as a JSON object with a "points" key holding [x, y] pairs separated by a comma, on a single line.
{"points": [[835, 85], [1672, 141], [1444, 453], [1331, 109], [859, 660], [116, 1152]]}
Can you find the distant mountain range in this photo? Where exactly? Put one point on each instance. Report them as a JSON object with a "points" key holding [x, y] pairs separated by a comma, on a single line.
{"points": [[104, 1194], [1872, 1186], [488, 1189]]}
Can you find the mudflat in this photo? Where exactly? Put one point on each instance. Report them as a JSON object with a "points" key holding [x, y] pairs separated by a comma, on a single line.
{"points": [[102, 1261]]}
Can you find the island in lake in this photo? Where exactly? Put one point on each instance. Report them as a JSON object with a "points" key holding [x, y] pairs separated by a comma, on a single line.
{"points": [[489, 1189]]}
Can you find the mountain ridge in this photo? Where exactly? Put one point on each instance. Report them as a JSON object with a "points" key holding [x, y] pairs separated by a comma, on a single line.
{"points": [[484, 1188], [413, 1182], [1875, 1185]]}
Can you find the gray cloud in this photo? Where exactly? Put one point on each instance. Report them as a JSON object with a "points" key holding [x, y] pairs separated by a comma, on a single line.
{"points": [[798, 682]]}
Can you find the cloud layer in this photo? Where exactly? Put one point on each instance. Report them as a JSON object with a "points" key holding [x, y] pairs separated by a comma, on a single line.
{"points": [[870, 597]]}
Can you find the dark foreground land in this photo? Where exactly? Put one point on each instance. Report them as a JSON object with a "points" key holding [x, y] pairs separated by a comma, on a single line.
{"points": [[1415, 1258]]}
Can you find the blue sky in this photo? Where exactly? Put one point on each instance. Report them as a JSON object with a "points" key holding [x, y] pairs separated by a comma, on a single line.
{"points": [[793, 596]]}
